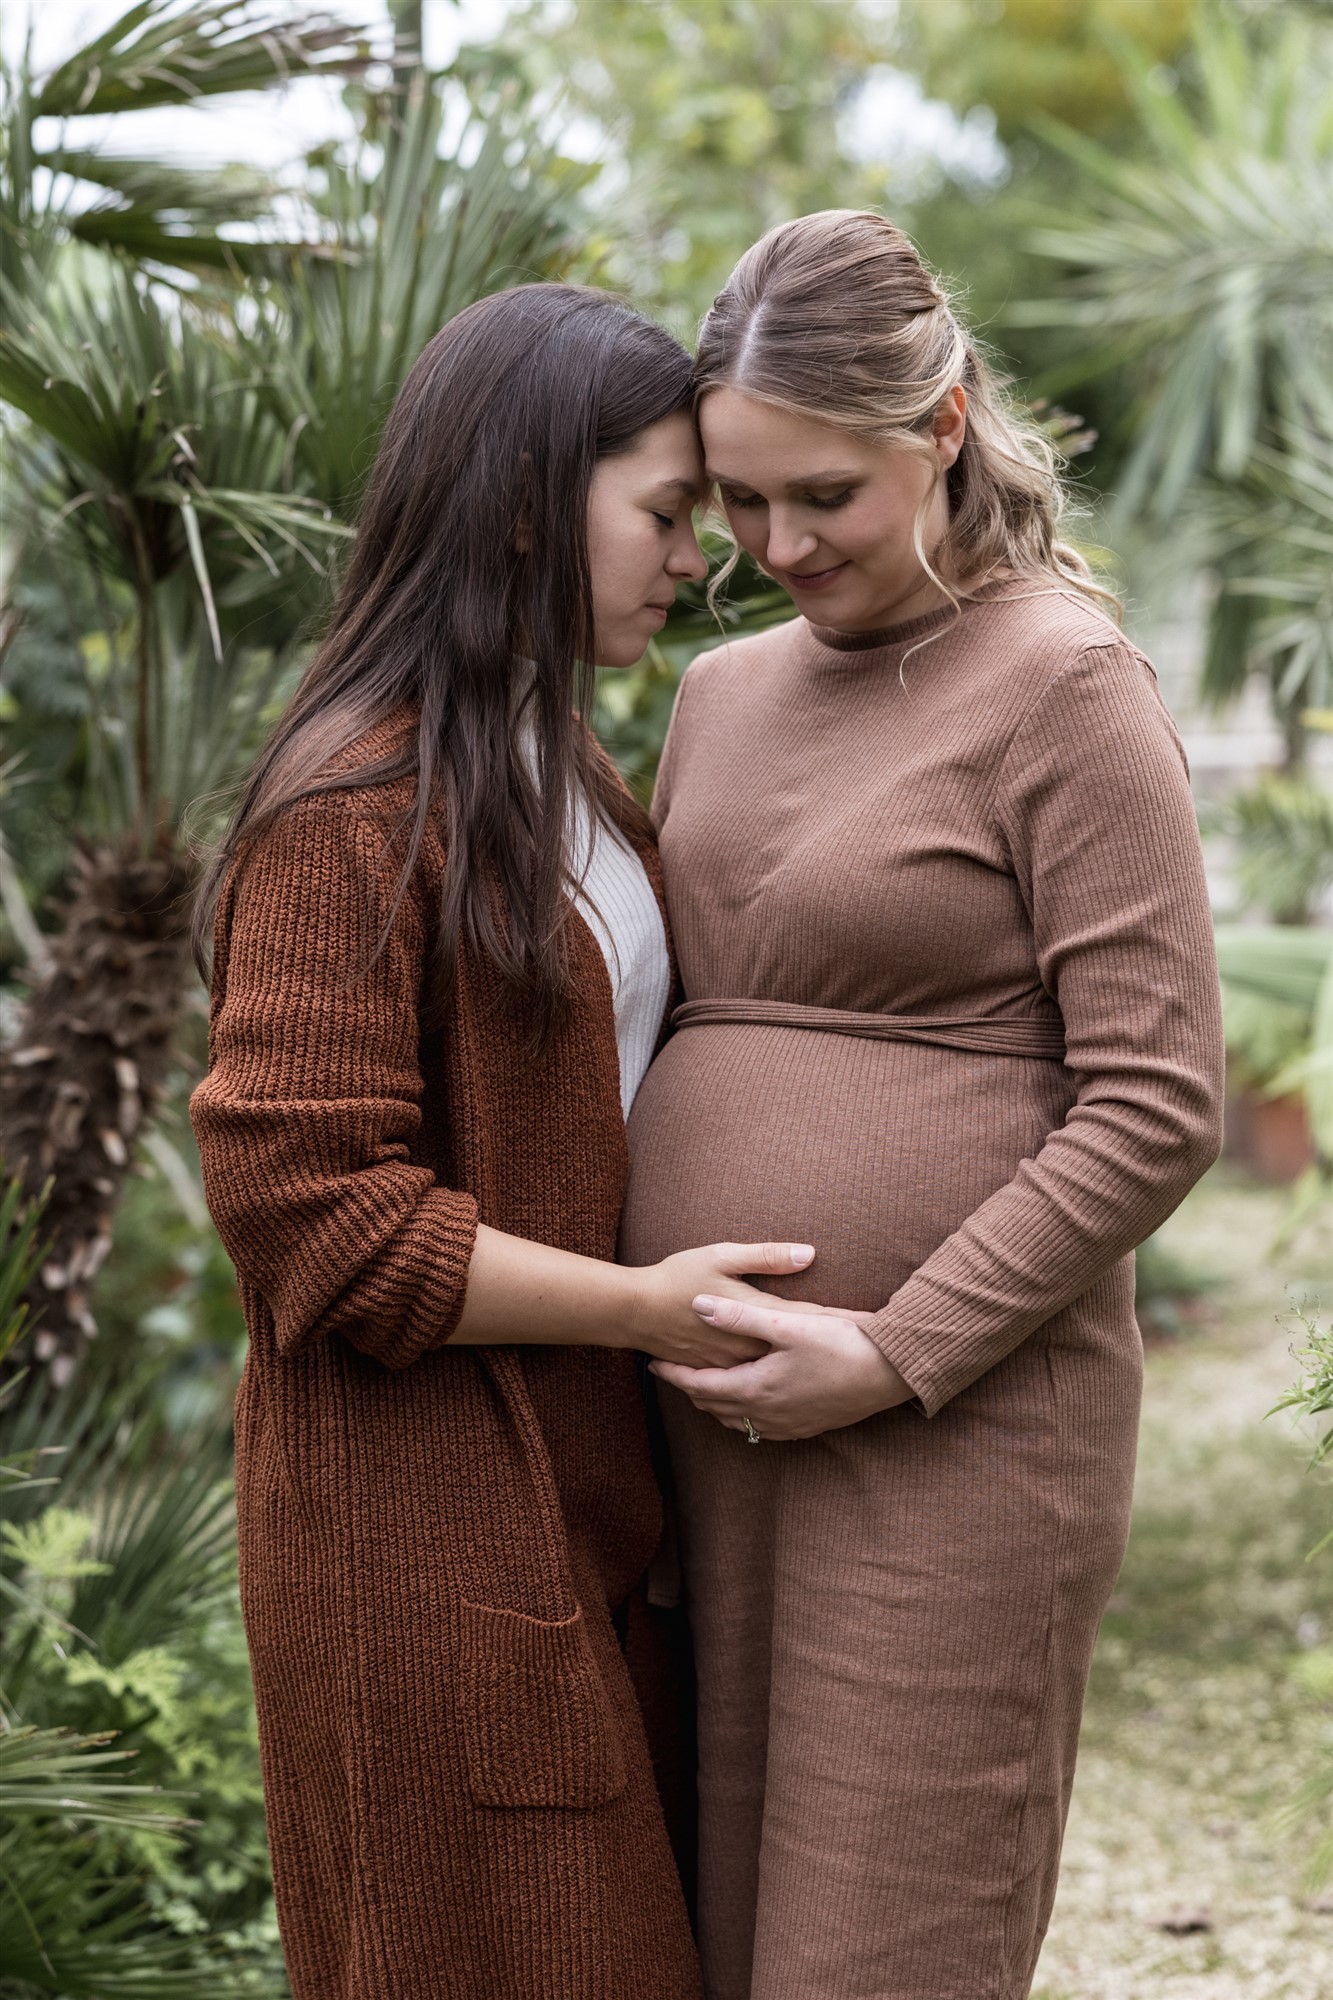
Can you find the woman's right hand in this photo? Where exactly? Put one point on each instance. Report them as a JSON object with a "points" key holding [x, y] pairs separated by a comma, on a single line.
{"points": [[665, 1323]]}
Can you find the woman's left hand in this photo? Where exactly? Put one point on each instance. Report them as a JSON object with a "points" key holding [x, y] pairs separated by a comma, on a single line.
{"points": [[821, 1371]]}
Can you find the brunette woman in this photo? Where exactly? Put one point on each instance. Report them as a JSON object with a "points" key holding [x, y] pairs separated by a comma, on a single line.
{"points": [[952, 1014], [439, 972]]}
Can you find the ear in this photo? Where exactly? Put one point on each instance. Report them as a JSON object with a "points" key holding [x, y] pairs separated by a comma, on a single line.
{"points": [[950, 426]]}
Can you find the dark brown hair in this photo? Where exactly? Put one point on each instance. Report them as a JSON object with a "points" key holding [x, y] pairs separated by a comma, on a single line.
{"points": [[471, 557]]}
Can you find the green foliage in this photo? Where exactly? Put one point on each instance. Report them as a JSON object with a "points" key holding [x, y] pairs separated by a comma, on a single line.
{"points": [[1264, 1036], [1195, 275], [416, 222], [149, 465], [722, 120], [191, 459], [119, 1624], [1205, 265], [1026, 58], [1292, 967], [1312, 1393], [155, 53], [128, 1629], [1270, 535], [159, 53], [20, 1253], [1166, 1286], [1282, 830]]}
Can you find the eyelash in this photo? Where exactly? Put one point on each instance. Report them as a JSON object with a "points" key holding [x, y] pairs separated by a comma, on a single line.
{"points": [[824, 506], [667, 520]]}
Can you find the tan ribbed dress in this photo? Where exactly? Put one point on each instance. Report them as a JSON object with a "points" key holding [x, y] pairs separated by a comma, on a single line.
{"points": [[952, 1016]]}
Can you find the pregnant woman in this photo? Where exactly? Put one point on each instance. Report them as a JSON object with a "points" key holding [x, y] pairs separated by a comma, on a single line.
{"points": [[951, 1015], [439, 973]]}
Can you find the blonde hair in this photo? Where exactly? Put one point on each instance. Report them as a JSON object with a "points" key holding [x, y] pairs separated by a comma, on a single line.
{"points": [[835, 317]]}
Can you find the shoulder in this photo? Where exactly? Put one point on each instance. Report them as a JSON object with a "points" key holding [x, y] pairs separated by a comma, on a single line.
{"points": [[349, 833], [1084, 700], [727, 668], [1068, 673], [1049, 634]]}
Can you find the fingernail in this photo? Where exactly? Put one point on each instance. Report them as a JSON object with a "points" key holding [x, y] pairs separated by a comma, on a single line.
{"points": [[801, 1253], [705, 1307]]}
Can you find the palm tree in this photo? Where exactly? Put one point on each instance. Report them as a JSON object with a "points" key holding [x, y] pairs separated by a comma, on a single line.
{"points": [[1201, 279], [191, 456]]}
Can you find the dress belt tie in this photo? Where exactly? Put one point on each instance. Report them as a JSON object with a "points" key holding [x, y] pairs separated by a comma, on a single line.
{"points": [[1042, 1039]]}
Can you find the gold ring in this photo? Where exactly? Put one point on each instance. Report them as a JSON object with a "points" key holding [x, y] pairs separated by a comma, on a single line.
{"points": [[751, 1434]]}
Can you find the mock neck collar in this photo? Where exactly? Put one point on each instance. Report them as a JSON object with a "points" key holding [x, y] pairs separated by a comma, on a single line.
{"points": [[928, 625]]}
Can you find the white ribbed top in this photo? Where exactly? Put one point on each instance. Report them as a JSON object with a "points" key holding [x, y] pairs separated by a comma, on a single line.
{"points": [[616, 901]]}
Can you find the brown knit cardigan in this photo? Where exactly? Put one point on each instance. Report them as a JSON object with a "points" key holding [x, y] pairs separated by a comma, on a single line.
{"points": [[432, 1539]]}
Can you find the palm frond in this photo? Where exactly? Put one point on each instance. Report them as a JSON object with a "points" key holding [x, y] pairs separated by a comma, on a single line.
{"points": [[73, 1929], [20, 1254], [157, 52], [166, 1546], [414, 231], [1283, 962], [1204, 271], [150, 459], [58, 1774], [1269, 536]]}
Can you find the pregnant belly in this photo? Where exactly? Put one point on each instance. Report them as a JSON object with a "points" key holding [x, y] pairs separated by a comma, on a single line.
{"points": [[872, 1151]]}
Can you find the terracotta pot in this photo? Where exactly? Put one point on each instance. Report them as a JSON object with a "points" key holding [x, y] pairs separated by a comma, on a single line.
{"points": [[1269, 1135]]}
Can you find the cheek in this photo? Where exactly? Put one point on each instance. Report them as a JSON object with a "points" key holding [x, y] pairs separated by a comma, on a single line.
{"points": [[748, 525], [611, 558], [879, 537]]}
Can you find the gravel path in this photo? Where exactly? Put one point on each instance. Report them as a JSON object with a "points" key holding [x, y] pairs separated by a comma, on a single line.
{"points": [[1179, 1883]]}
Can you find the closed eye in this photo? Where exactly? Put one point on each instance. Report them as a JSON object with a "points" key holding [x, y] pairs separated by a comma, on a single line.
{"points": [[825, 504]]}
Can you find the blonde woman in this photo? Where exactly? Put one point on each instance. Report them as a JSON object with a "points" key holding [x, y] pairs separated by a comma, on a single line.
{"points": [[951, 1015]]}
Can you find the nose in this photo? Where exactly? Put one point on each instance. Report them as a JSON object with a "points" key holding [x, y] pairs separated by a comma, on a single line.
{"points": [[788, 542], [688, 560]]}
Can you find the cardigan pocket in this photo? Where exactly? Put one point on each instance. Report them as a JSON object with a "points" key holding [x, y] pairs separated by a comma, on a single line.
{"points": [[537, 1722]]}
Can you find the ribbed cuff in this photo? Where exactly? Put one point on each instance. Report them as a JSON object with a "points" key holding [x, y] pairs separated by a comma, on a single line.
{"points": [[444, 1235], [910, 1353]]}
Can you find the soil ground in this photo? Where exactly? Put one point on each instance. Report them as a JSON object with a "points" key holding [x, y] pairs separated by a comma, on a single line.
{"points": [[1199, 1729]]}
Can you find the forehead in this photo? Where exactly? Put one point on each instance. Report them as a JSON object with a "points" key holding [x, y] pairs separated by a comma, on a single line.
{"points": [[748, 439], [667, 453]]}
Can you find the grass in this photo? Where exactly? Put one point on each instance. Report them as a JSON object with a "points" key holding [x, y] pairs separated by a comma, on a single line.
{"points": [[1198, 1729]]}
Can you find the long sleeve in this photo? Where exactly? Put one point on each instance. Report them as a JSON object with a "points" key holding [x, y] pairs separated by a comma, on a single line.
{"points": [[306, 1117], [1093, 801]]}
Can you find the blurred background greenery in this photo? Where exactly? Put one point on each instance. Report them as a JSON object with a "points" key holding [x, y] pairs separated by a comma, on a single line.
{"points": [[199, 337]]}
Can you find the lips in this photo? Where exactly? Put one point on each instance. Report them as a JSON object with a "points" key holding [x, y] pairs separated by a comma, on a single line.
{"points": [[818, 579]]}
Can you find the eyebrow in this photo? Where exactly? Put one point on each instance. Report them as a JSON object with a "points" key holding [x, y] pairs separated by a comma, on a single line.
{"points": [[834, 478], [690, 486]]}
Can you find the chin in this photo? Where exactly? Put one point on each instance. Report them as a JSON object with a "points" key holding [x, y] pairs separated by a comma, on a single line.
{"points": [[627, 653]]}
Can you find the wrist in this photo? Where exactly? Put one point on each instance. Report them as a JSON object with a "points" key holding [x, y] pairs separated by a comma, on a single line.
{"points": [[629, 1312], [621, 1307]]}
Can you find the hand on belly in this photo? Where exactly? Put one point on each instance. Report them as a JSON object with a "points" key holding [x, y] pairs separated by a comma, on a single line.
{"points": [[821, 1372]]}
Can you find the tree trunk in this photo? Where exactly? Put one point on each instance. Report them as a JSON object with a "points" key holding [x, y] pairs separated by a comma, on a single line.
{"points": [[88, 1067]]}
